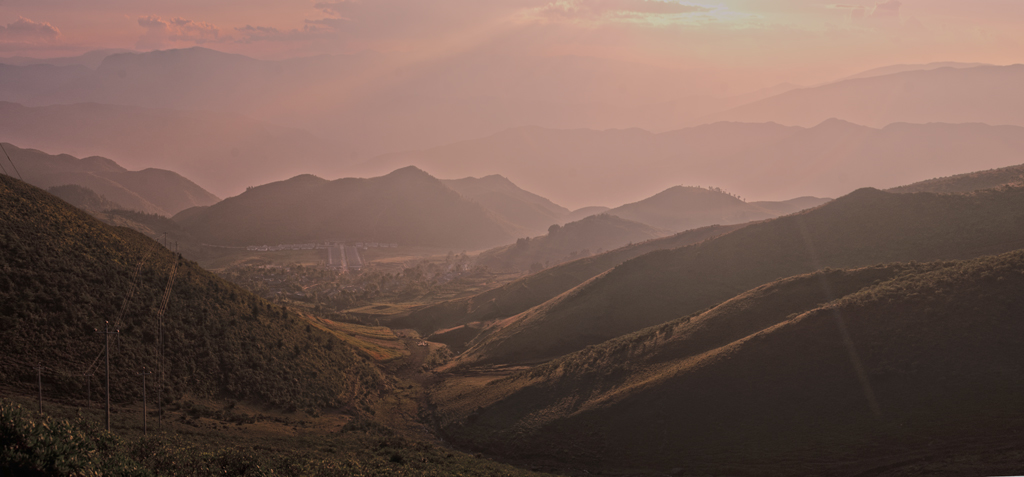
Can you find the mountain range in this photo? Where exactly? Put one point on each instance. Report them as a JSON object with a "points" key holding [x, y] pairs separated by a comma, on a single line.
{"points": [[983, 94], [224, 152], [407, 206], [338, 110], [153, 191], [767, 161]]}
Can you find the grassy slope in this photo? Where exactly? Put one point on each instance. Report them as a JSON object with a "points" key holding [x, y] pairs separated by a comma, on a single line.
{"points": [[408, 207], [863, 228], [562, 243], [764, 383], [64, 273], [970, 182], [535, 289]]}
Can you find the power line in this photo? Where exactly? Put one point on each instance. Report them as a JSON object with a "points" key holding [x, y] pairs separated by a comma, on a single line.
{"points": [[9, 160], [160, 320]]}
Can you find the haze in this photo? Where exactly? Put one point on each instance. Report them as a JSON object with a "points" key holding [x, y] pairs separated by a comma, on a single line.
{"points": [[339, 83]]}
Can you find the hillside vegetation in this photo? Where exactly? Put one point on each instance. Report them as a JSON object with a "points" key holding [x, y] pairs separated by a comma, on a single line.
{"points": [[682, 208], [65, 273], [970, 182], [863, 228], [835, 372], [534, 289], [579, 239], [408, 207], [154, 191]]}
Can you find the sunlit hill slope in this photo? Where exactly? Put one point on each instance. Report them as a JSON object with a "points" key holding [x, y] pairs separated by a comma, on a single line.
{"points": [[835, 372], [864, 228]]}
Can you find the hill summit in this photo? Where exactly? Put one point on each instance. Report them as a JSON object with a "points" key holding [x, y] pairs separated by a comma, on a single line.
{"points": [[407, 206]]}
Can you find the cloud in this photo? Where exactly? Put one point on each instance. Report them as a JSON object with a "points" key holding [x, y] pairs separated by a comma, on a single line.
{"points": [[27, 32], [605, 8], [160, 32], [887, 10], [314, 29]]}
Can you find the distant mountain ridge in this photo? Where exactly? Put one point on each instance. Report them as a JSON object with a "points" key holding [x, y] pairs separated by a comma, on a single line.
{"points": [[528, 211], [983, 94], [762, 161], [152, 191], [224, 152], [407, 206], [682, 208], [1012, 176]]}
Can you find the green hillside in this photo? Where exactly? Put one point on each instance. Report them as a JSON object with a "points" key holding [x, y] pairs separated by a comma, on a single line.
{"points": [[683, 208], [153, 191], [863, 228], [532, 290], [529, 212], [911, 368], [65, 273], [579, 239], [970, 182], [408, 207]]}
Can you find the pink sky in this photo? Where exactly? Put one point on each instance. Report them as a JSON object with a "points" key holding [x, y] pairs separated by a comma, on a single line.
{"points": [[758, 43]]}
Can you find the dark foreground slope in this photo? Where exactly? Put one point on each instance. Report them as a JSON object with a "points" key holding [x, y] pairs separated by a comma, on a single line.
{"points": [[407, 206], [863, 228], [530, 291], [593, 234], [64, 273], [912, 366]]}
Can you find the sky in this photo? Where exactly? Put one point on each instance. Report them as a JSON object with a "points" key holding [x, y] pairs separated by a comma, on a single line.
{"points": [[756, 43]]}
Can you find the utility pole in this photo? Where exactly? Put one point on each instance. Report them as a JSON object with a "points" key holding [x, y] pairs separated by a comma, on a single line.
{"points": [[145, 409], [39, 376], [106, 331]]}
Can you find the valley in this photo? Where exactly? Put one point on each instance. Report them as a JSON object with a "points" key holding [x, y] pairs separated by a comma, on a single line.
{"points": [[390, 238]]}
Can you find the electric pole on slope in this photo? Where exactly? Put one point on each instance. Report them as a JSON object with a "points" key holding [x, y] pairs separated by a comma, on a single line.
{"points": [[145, 409], [106, 331]]}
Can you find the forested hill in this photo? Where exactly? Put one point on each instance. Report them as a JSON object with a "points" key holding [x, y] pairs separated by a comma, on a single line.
{"points": [[64, 273]]}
